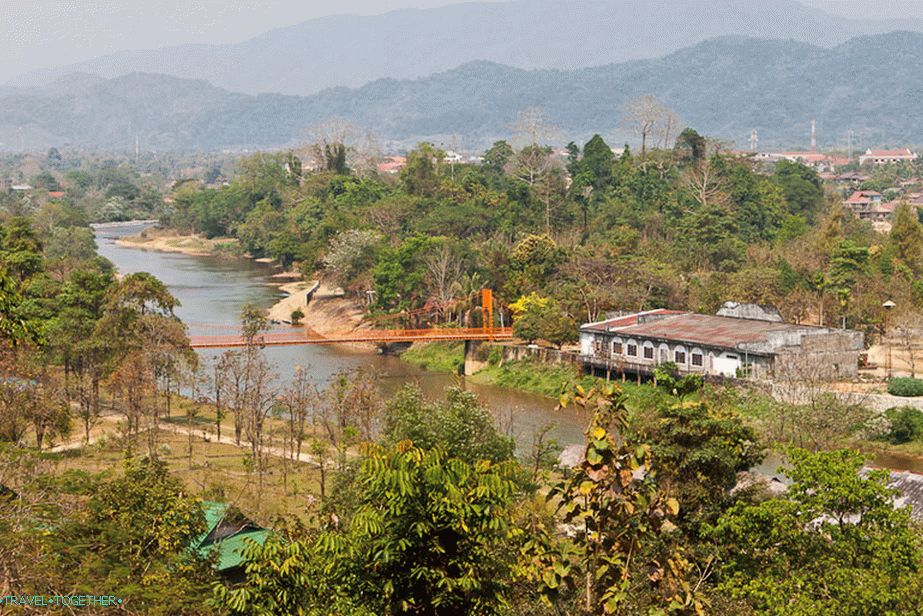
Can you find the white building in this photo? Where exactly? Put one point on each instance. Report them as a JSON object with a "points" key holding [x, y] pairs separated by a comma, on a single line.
{"points": [[742, 340], [887, 157]]}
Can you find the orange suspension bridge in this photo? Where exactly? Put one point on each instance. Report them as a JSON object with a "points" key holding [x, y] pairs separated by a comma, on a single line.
{"points": [[199, 339]]}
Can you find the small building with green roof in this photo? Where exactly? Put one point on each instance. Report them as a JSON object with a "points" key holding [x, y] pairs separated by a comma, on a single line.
{"points": [[226, 535]]}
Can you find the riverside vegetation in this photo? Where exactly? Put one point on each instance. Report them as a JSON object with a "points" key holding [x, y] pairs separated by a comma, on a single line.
{"points": [[416, 506]]}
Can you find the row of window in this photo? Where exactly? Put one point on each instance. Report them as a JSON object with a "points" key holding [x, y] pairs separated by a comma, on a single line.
{"points": [[630, 349]]}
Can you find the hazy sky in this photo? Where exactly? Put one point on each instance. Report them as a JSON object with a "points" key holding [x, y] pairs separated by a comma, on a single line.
{"points": [[41, 33]]}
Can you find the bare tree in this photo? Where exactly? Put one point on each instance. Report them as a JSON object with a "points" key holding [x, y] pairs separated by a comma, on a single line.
{"points": [[299, 399], [647, 117], [444, 268], [349, 411], [907, 330], [339, 145], [533, 128]]}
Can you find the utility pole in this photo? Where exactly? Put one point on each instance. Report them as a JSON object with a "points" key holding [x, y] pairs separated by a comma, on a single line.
{"points": [[813, 135], [849, 136]]}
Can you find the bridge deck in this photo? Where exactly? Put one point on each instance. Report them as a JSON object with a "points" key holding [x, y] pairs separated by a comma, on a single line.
{"points": [[297, 337]]}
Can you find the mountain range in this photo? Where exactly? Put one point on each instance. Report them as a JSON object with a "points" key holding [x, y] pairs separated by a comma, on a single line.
{"points": [[724, 87], [529, 34]]}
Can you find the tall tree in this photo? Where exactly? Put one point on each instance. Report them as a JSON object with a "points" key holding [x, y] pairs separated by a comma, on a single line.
{"points": [[907, 236]]}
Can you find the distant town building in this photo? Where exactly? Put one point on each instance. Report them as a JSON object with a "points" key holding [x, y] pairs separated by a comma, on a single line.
{"points": [[392, 165], [816, 160], [887, 157], [742, 341], [864, 202], [453, 158], [21, 187]]}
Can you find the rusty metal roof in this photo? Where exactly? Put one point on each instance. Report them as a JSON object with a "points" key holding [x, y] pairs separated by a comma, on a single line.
{"points": [[707, 330]]}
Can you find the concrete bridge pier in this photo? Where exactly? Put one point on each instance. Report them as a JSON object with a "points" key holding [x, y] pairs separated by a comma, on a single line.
{"points": [[475, 357]]}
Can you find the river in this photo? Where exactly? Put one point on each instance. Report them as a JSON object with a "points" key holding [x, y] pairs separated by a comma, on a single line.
{"points": [[213, 290]]}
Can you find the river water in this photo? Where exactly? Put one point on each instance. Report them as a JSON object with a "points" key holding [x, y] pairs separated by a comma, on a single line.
{"points": [[213, 290]]}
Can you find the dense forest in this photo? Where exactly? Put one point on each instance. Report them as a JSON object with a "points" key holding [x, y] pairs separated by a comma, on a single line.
{"points": [[411, 505], [687, 228]]}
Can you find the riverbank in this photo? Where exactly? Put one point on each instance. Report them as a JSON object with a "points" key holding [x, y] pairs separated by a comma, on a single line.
{"points": [[528, 376], [165, 240], [327, 313]]}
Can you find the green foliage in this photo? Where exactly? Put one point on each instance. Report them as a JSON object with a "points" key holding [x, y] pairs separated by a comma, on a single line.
{"points": [[431, 535], [539, 317], [460, 425], [834, 544], [906, 424], [905, 387], [441, 356], [698, 450], [619, 513], [907, 236]]}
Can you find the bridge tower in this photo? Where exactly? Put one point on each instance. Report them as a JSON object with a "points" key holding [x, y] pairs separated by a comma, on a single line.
{"points": [[487, 308]]}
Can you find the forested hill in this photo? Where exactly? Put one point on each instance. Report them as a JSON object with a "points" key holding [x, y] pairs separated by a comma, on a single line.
{"points": [[352, 50], [724, 88]]}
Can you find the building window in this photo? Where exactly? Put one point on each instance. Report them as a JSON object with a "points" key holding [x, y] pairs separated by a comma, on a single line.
{"points": [[616, 347], [632, 350], [597, 346], [698, 360], [648, 352], [679, 357]]}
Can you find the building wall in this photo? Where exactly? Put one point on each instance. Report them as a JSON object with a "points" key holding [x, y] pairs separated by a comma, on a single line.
{"points": [[689, 359], [790, 355], [821, 357]]}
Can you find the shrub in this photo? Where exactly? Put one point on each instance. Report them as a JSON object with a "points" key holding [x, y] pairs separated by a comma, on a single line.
{"points": [[905, 387], [906, 424], [296, 316]]}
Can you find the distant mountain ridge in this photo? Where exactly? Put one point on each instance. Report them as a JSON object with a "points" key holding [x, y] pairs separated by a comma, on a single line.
{"points": [[530, 34], [724, 88]]}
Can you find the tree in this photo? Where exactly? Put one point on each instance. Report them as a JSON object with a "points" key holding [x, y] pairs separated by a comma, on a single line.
{"points": [[533, 128], [497, 157], [698, 449], [690, 146], [597, 162], [647, 117], [421, 175], [834, 544], [907, 236], [802, 188], [431, 535], [350, 254], [299, 398], [619, 515], [460, 425], [444, 267], [537, 317]]}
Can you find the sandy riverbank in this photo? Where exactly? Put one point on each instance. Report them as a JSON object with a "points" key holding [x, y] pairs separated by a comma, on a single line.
{"points": [[328, 312], [163, 240]]}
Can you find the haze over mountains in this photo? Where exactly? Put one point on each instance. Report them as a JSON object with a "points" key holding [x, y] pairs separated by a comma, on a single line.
{"points": [[724, 88], [544, 34]]}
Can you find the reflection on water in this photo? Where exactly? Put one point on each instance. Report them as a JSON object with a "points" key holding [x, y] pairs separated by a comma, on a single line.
{"points": [[213, 290]]}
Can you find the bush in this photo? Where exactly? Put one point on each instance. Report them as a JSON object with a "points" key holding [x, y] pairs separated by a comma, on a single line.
{"points": [[296, 316], [905, 387], [906, 424]]}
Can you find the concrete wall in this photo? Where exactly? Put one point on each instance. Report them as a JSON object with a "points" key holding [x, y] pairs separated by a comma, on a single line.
{"points": [[829, 356]]}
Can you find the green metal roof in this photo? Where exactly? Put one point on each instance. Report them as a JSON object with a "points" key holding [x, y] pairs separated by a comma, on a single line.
{"points": [[228, 549]]}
